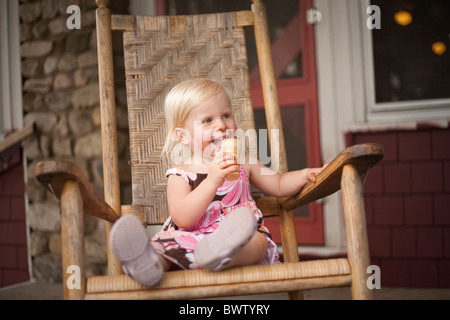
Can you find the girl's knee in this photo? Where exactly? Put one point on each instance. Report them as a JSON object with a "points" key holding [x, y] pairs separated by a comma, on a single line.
{"points": [[262, 244]]}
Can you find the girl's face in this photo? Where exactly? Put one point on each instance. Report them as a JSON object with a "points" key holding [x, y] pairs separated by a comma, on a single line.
{"points": [[206, 125]]}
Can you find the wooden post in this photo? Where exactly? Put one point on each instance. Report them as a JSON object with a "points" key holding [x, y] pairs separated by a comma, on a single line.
{"points": [[72, 238], [273, 116], [356, 231], [268, 83], [108, 120]]}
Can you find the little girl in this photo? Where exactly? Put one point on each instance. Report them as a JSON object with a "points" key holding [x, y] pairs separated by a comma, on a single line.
{"points": [[214, 223]]}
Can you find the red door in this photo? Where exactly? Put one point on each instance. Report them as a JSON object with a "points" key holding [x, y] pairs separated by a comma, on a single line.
{"points": [[295, 68]]}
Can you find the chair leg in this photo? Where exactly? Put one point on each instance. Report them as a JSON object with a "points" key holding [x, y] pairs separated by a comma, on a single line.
{"points": [[290, 248], [356, 231], [72, 238]]}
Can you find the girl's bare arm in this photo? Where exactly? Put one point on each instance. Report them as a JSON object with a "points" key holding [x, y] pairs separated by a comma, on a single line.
{"points": [[285, 185], [187, 206]]}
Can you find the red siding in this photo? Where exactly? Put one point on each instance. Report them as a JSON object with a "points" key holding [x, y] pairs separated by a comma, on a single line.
{"points": [[408, 207], [13, 233]]}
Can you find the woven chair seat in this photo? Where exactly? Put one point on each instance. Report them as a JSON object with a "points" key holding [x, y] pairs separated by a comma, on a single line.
{"points": [[244, 279]]}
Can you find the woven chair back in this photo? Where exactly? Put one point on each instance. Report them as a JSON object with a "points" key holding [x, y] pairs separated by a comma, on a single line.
{"points": [[159, 53]]}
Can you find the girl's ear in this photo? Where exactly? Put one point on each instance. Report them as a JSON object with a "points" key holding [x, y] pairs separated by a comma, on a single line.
{"points": [[182, 135]]}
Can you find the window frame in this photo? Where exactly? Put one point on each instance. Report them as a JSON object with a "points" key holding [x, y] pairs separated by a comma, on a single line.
{"points": [[418, 110], [11, 109]]}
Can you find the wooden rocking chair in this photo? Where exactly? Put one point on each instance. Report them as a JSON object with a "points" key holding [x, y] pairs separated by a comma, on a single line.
{"points": [[159, 53]]}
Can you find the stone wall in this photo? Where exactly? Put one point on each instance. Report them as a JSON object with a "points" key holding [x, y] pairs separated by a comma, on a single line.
{"points": [[60, 94]]}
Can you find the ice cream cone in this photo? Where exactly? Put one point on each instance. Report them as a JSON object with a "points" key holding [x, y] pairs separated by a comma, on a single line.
{"points": [[232, 146]]}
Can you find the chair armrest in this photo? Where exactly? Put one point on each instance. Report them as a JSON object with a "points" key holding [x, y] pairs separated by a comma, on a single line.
{"points": [[362, 156], [54, 173]]}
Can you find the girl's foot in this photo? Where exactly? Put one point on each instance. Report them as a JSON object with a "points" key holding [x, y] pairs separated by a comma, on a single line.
{"points": [[216, 250], [130, 244]]}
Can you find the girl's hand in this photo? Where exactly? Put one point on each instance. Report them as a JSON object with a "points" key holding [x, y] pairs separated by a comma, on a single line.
{"points": [[312, 173], [222, 165]]}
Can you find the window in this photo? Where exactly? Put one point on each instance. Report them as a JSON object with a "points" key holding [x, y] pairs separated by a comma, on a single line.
{"points": [[410, 59]]}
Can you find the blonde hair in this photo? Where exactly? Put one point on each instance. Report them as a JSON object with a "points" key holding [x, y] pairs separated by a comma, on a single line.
{"points": [[179, 102]]}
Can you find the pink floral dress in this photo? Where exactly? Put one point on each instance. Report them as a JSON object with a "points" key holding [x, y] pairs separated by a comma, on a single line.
{"points": [[177, 244]]}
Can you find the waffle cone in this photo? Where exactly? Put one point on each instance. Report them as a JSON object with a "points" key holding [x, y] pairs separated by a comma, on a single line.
{"points": [[232, 146]]}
